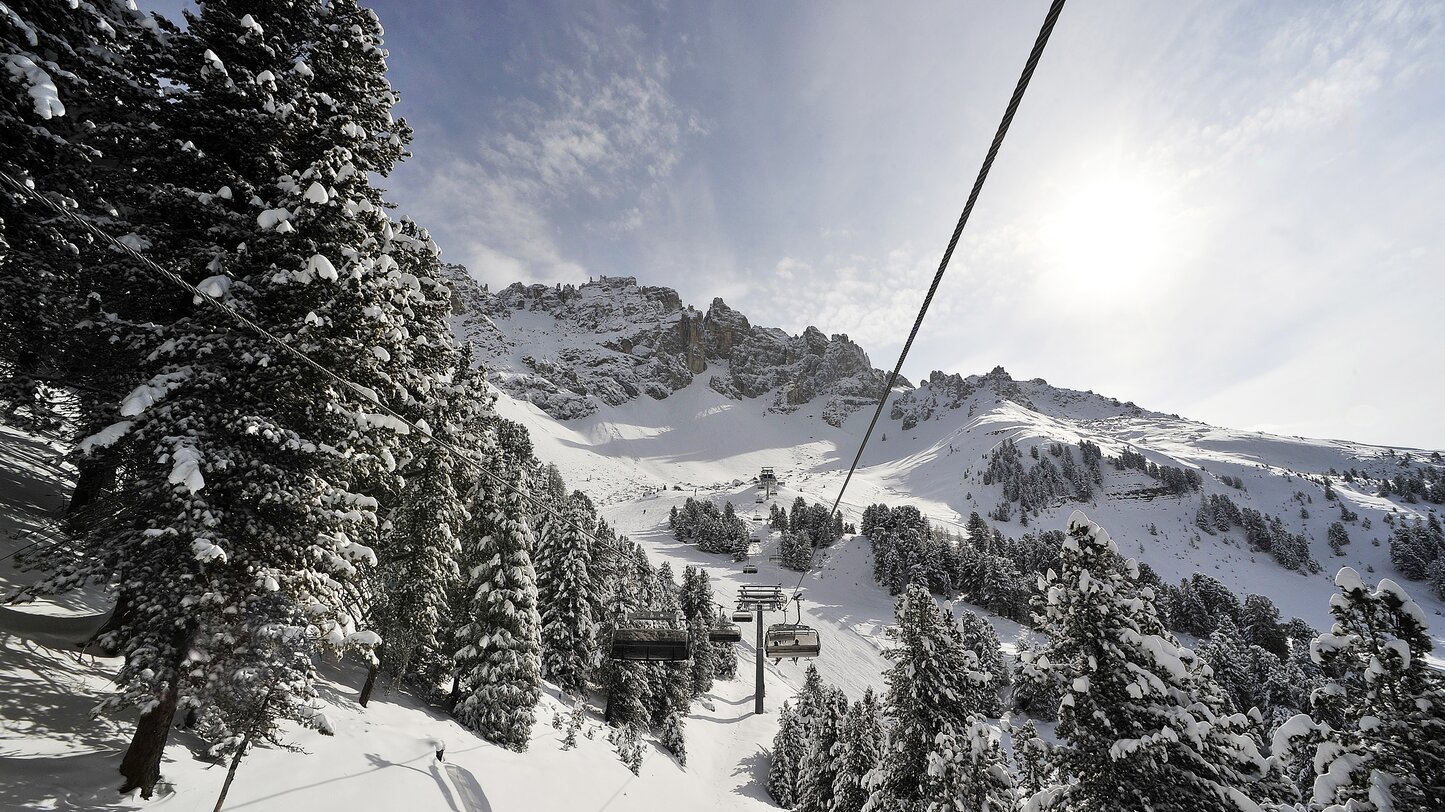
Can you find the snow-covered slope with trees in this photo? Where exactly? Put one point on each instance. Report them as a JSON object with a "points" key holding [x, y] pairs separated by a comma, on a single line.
{"points": [[941, 439], [274, 537]]}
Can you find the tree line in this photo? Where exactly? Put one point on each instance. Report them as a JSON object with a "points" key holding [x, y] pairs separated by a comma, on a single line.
{"points": [[247, 512], [1142, 721]]}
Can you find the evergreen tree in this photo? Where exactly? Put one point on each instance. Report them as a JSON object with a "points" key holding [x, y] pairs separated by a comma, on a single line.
{"points": [[1033, 757], [628, 691], [247, 510], [967, 772], [672, 737], [1233, 665], [1036, 684], [797, 514], [1145, 726], [1339, 537], [1379, 727], [416, 589], [860, 747], [500, 663], [727, 661], [564, 586], [818, 768], [1259, 625], [704, 655], [934, 692], [787, 753], [79, 107], [979, 637], [796, 551]]}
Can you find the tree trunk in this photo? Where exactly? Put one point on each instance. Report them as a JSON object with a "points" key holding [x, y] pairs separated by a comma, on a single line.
{"points": [[456, 693], [95, 475], [370, 678], [231, 773], [141, 765], [118, 617]]}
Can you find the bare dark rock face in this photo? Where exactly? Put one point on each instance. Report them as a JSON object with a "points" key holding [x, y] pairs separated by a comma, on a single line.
{"points": [[568, 349]]}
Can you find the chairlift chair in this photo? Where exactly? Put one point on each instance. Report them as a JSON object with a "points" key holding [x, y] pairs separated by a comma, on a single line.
{"points": [[742, 616], [638, 643], [793, 640], [725, 633], [750, 569]]}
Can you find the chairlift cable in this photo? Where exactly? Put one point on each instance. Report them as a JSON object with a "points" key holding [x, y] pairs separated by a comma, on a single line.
{"points": [[1052, 17]]}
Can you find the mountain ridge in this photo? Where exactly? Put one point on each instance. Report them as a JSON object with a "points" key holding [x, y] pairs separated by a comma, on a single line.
{"points": [[569, 349], [1016, 451]]}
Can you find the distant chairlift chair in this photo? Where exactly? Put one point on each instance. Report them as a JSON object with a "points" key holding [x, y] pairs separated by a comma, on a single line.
{"points": [[750, 569], [724, 632], [635, 642]]}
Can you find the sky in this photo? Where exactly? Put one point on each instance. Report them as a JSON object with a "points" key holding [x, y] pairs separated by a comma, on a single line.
{"points": [[1231, 211]]}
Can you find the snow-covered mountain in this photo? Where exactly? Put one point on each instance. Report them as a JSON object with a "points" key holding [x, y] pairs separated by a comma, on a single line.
{"points": [[725, 398], [951, 446], [570, 349]]}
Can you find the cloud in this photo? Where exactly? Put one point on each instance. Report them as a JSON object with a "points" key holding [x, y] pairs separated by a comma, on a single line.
{"points": [[581, 147], [1315, 71]]}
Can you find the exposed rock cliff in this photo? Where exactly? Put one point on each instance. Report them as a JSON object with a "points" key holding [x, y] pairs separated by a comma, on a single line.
{"points": [[568, 349]]}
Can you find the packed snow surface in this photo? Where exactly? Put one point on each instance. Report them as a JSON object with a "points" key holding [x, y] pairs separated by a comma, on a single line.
{"points": [[638, 460]]}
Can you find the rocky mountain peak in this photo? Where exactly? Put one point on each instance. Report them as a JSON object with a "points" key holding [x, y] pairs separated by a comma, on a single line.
{"points": [[569, 349]]}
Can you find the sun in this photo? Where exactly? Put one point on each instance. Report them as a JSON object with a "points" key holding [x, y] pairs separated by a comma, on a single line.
{"points": [[1106, 239]]}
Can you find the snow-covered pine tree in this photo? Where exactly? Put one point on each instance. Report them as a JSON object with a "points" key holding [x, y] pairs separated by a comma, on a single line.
{"points": [[1144, 726], [672, 737], [1033, 760], [1036, 689], [500, 664], [416, 587], [1379, 731], [967, 771], [628, 689], [698, 599], [601, 571], [704, 654], [818, 768], [77, 109], [788, 747], [860, 747], [672, 683], [980, 638], [248, 496], [564, 585], [796, 550], [934, 689], [1259, 625], [1231, 661]]}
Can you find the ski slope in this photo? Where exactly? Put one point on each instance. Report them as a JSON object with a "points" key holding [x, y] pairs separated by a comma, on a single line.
{"points": [[699, 439], [638, 461]]}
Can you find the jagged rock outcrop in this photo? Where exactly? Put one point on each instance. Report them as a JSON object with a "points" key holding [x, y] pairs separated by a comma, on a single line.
{"points": [[568, 349], [943, 392]]}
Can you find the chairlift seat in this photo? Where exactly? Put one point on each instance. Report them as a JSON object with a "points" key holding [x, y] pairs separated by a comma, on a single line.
{"points": [[741, 616], [725, 633], [792, 640], [750, 570], [651, 645]]}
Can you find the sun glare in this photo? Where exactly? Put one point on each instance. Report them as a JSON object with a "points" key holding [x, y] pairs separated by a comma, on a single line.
{"points": [[1105, 240]]}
